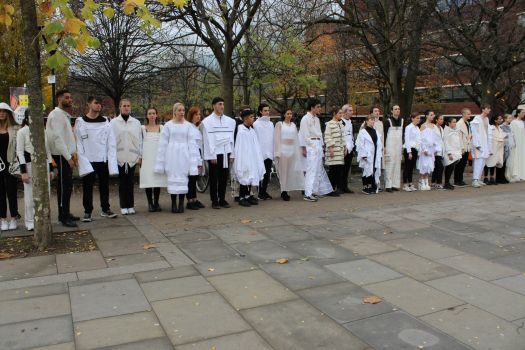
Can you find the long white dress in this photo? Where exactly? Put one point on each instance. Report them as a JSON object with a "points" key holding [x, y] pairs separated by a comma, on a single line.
{"points": [[174, 155], [516, 162], [365, 154], [196, 150], [429, 146], [150, 144], [287, 151], [248, 165], [498, 142], [452, 141]]}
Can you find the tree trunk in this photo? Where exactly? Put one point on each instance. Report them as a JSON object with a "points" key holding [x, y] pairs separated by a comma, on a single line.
{"points": [[31, 39], [227, 86]]}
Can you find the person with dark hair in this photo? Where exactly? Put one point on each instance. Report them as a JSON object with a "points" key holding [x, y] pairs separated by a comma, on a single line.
{"points": [[248, 166], [496, 157], [335, 150], [218, 140], [63, 148], [481, 145], [369, 154], [428, 147], [463, 126], [316, 181], [149, 180], [452, 150], [194, 117], [437, 174], [348, 134], [410, 151], [516, 162], [509, 144], [393, 148], [264, 128], [128, 136]]}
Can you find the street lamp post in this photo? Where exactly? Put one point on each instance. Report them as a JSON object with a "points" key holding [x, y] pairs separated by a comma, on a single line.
{"points": [[51, 79]]}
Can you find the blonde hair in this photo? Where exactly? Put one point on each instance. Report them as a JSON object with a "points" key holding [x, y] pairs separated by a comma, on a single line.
{"points": [[465, 110], [176, 106], [124, 100]]}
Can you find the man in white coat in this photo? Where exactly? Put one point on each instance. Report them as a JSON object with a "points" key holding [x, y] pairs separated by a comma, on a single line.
{"points": [[348, 134], [516, 162], [481, 144], [264, 129], [393, 149]]}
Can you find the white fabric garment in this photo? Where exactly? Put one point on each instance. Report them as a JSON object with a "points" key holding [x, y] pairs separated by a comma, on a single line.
{"points": [[173, 155], [128, 136], [95, 143], [412, 137], [452, 141], [59, 134], [498, 141], [365, 154], [428, 147], [196, 150], [515, 170], [393, 155], [348, 133], [23, 144], [481, 140], [477, 168], [288, 157], [217, 134], [150, 145], [264, 129], [248, 166], [440, 139], [466, 137]]}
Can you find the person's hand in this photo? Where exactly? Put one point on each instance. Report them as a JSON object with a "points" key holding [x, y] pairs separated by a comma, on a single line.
{"points": [[139, 162], [304, 152], [26, 178], [450, 157], [51, 175], [71, 163], [331, 152], [213, 161], [410, 156]]}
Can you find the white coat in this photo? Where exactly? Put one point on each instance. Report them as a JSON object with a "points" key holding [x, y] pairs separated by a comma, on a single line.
{"points": [[452, 141], [365, 154]]}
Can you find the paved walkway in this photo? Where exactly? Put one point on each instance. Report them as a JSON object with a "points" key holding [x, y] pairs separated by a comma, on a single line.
{"points": [[448, 265]]}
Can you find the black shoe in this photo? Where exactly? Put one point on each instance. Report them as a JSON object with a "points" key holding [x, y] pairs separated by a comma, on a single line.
{"points": [[365, 190], [199, 205], [448, 187], [244, 202], [224, 204], [108, 214], [87, 217], [252, 200], [347, 190], [73, 218], [268, 196], [236, 199], [157, 207], [395, 189], [285, 196], [460, 184], [151, 208], [192, 206], [215, 205], [389, 190], [69, 223], [339, 192], [486, 181], [261, 197], [492, 182], [310, 199], [333, 194]]}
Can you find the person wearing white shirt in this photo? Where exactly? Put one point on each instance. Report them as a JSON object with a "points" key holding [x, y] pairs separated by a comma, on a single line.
{"points": [[348, 134], [63, 148], [412, 142], [217, 135], [264, 129], [481, 144]]}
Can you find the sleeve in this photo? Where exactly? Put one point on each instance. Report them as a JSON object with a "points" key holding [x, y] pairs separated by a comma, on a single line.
{"points": [[490, 136], [303, 132], [164, 139], [54, 128], [386, 126], [277, 140], [475, 135], [359, 145], [209, 153], [232, 142], [407, 139], [84, 165], [20, 147], [112, 152], [141, 139], [350, 145], [329, 135]]}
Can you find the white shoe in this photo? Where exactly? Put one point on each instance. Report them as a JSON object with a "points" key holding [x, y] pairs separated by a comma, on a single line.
{"points": [[407, 188], [476, 184], [30, 228], [4, 226], [412, 188], [131, 211], [428, 188], [482, 183], [124, 211], [12, 224]]}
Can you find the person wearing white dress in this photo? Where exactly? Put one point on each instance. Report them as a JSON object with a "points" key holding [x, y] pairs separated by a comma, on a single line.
{"points": [[509, 143], [496, 157], [428, 147], [287, 156], [264, 128], [481, 144], [410, 151], [516, 161], [149, 180], [369, 148], [453, 150], [194, 117]]}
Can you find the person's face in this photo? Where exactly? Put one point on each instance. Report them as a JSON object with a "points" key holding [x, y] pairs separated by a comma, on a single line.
{"points": [[521, 114], [396, 111], [218, 108], [370, 123], [288, 116], [431, 117], [4, 114], [416, 120], [317, 109], [152, 116], [349, 113], [125, 108], [66, 100], [486, 111], [466, 115], [248, 121], [452, 124], [499, 120], [376, 112], [95, 106], [179, 113], [265, 112], [196, 119], [440, 120], [339, 115], [508, 119]]}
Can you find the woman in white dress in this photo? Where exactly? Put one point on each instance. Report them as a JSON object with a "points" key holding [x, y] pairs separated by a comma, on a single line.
{"points": [[496, 155], [194, 117], [149, 180], [287, 156], [428, 148], [174, 156]]}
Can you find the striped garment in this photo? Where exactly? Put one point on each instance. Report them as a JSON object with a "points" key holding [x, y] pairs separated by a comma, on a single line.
{"points": [[333, 136]]}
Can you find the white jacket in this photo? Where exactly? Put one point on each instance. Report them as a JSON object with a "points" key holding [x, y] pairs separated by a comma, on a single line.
{"points": [[264, 129], [128, 137], [453, 146], [24, 145], [59, 134]]}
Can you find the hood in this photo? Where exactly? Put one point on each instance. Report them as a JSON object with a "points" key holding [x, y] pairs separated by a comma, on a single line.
{"points": [[6, 107]]}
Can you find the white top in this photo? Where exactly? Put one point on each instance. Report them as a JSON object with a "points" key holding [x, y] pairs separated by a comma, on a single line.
{"points": [[264, 129], [439, 132], [348, 133], [59, 133], [310, 129], [217, 135], [96, 143], [412, 137], [23, 144], [128, 136]]}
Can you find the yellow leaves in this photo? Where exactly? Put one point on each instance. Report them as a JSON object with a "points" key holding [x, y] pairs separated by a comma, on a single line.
{"points": [[282, 261], [46, 8], [149, 246], [179, 3], [372, 299], [73, 25], [6, 11], [5, 255], [109, 12]]}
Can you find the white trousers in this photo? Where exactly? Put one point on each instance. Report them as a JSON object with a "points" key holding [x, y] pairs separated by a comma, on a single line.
{"points": [[314, 163], [477, 168], [29, 214]]}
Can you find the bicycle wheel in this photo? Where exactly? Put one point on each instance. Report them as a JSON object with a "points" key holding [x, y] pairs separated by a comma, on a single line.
{"points": [[203, 179]]}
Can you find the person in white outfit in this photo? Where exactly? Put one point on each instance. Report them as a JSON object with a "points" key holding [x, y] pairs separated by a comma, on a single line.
{"points": [[369, 154], [348, 134], [128, 136], [410, 151], [453, 150], [393, 148], [437, 174], [463, 127], [264, 128], [428, 147], [481, 144], [496, 158], [516, 162], [194, 117]]}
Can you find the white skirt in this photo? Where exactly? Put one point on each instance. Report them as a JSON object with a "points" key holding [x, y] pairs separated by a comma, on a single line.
{"points": [[148, 178]]}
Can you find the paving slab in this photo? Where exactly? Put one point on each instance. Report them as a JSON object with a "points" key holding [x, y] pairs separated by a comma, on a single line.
{"points": [[176, 288], [514, 283], [27, 267], [477, 328], [111, 278], [80, 262], [425, 248], [266, 251], [405, 225], [478, 267], [63, 346], [295, 325], [329, 231], [306, 220], [151, 233], [458, 227], [286, 233], [113, 271], [173, 255], [412, 296], [414, 266], [154, 344], [116, 330], [132, 259], [516, 261], [268, 222], [343, 302], [397, 330], [359, 225], [237, 234], [241, 341], [165, 274], [321, 251], [484, 295], [502, 227], [126, 246], [107, 299], [205, 251], [32, 292], [364, 245], [115, 232], [299, 274], [34, 308], [363, 271], [214, 268], [250, 289], [37, 333], [38, 281], [190, 235], [496, 238], [198, 317]]}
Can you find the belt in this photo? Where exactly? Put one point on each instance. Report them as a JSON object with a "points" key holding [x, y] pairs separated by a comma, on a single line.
{"points": [[315, 138]]}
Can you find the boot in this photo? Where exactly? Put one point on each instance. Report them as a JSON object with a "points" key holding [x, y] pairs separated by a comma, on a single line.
{"points": [[181, 203], [156, 194], [151, 208], [174, 208]]}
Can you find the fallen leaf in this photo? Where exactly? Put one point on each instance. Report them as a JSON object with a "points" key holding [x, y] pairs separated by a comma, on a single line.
{"points": [[282, 261], [5, 255], [211, 269], [149, 246], [246, 221], [372, 299]]}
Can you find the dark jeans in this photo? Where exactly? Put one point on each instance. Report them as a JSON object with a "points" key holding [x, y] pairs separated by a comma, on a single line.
{"points": [[8, 189], [192, 187], [347, 167], [410, 164], [460, 168], [437, 174], [153, 194], [449, 169], [336, 176], [218, 178], [266, 179], [102, 172], [64, 187], [125, 186], [489, 171]]}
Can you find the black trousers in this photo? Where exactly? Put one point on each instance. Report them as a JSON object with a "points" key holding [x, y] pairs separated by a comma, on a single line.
{"points": [[101, 171], [460, 168], [153, 194], [64, 187], [336, 176], [500, 173], [218, 178], [449, 169], [126, 176], [8, 187], [192, 187], [347, 167], [437, 174], [266, 179], [244, 191], [410, 164], [370, 181], [489, 171]]}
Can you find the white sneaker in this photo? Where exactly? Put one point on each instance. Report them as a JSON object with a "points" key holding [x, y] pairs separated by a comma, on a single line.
{"points": [[131, 211], [407, 188], [476, 184], [30, 227], [12, 224], [428, 188], [124, 211], [482, 183], [412, 188], [4, 226]]}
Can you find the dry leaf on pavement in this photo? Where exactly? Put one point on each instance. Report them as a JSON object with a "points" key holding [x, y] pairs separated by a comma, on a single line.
{"points": [[5, 255], [149, 246], [371, 299], [282, 261], [246, 221]]}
